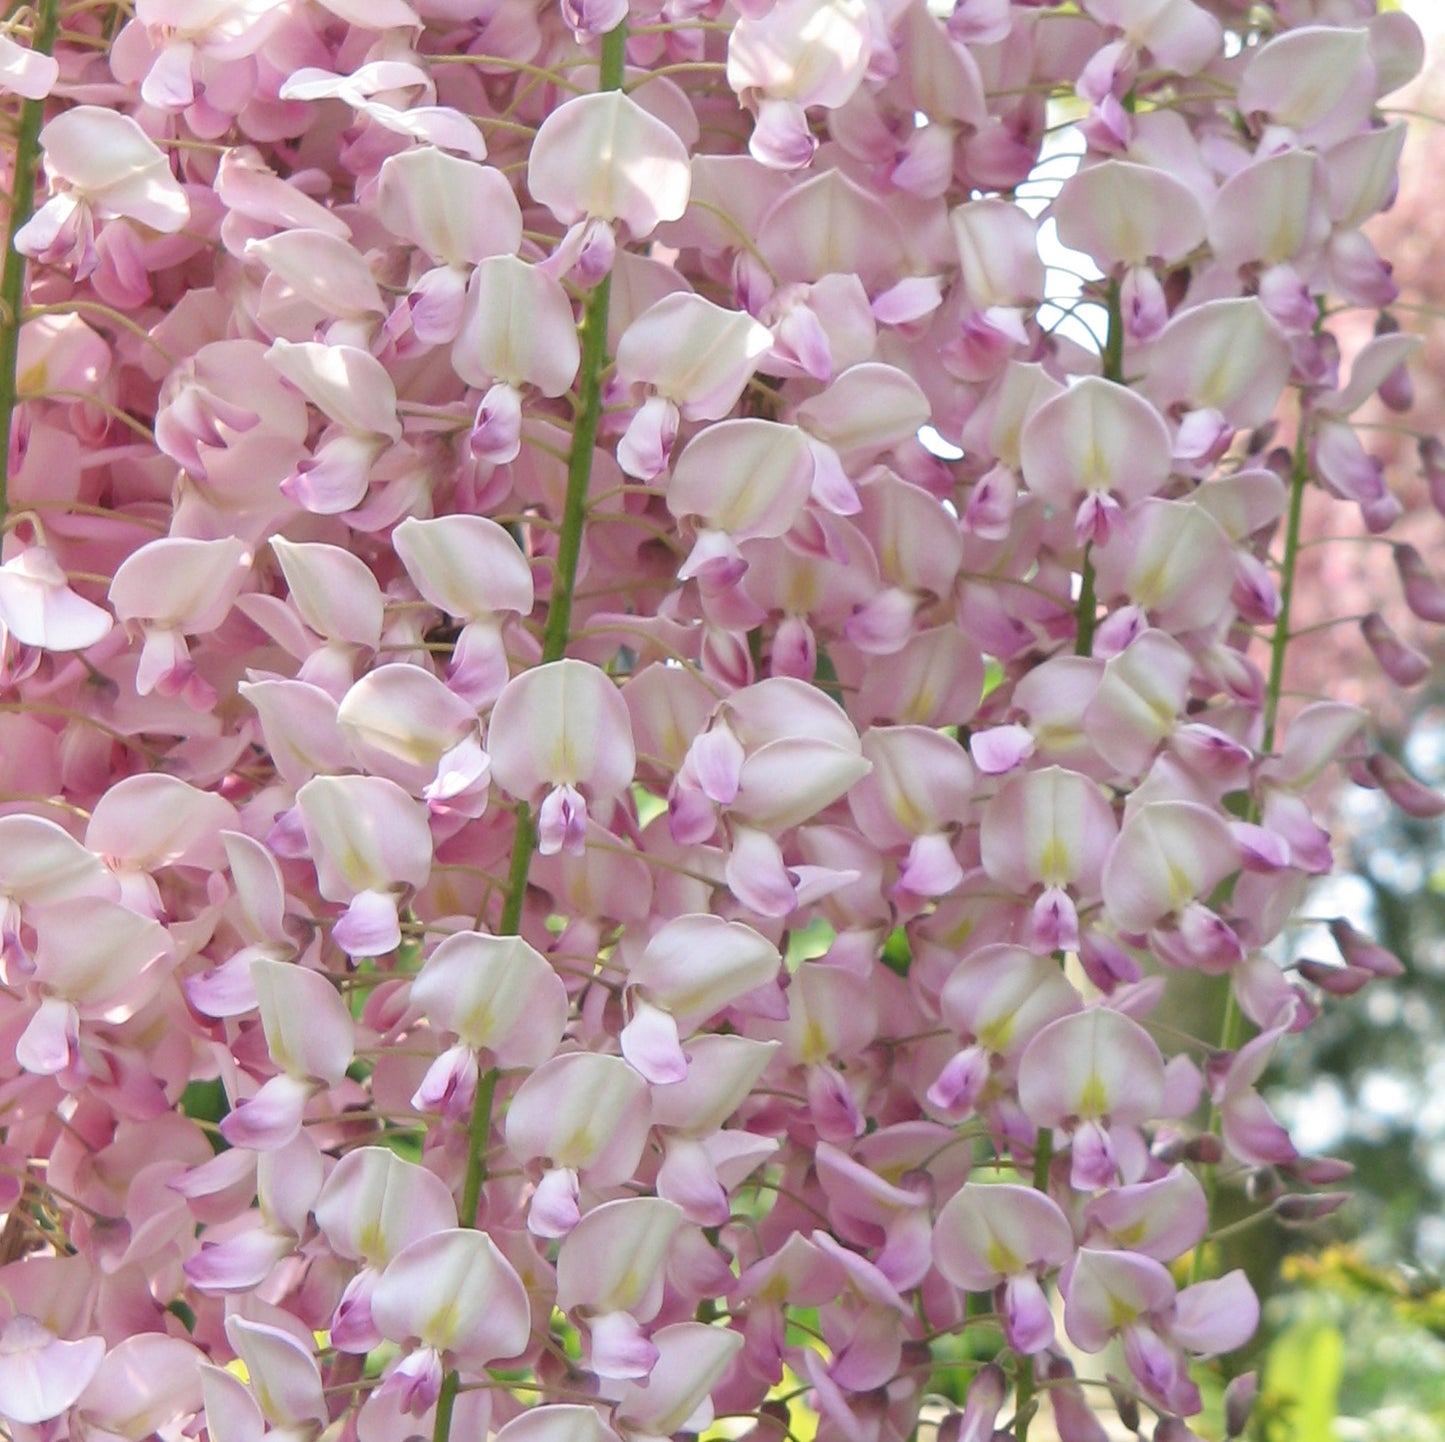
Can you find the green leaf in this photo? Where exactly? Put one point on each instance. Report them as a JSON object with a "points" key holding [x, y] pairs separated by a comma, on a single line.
{"points": [[1302, 1377]]}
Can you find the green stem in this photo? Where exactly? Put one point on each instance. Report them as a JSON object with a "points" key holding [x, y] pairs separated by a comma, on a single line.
{"points": [[1086, 611], [477, 1135], [446, 1401], [1043, 1158], [1279, 644], [589, 412], [1024, 1388], [1232, 1023], [12, 280]]}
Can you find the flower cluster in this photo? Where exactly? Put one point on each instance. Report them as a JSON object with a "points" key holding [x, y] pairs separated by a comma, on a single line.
{"points": [[585, 880]]}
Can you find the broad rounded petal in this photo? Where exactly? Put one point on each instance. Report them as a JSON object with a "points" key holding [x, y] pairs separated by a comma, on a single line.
{"points": [[335, 591], [869, 408], [400, 720], [457, 211], [998, 252], [468, 566], [1096, 436], [309, 1030], [1105, 1291], [184, 584], [563, 724], [351, 387], [374, 1203], [1094, 1065], [1216, 1316], [1270, 212], [43, 864], [557, 1423], [1128, 215], [28, 73], [584, 1111], [1168, 854], [322, 269], [987, 1233], [518, 328], [603, 156], [365, 834], [1172, 560], [494, 992], [814, 52], [747, 477], [147, 1382], [100, 954], [283, 1372], [789, 781], [921, 782], [722, 1069], [106, 156], [831, 226], [1304, 77], [456, 1292], [147, 822], [693, 1357], [1139, 701], [298, 721], [694, 966], [1162, 1219], [695, 353], [1224, 355], [41, 1375], [612, 1260], [38, 607], [1051, 827]]}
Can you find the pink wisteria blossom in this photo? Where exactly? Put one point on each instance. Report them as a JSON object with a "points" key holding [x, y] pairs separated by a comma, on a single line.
{"points": [[621, 726]]}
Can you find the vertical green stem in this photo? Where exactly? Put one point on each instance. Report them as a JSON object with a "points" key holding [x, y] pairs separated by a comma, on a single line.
{"points": [[1229, 1029], [22, 205], [1087, 609], [554, 647], [477, 1134], [1279, 643], [1113, 364]]}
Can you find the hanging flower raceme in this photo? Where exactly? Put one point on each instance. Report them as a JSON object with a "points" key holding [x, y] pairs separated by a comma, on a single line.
{"points": [[633, 726]]}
